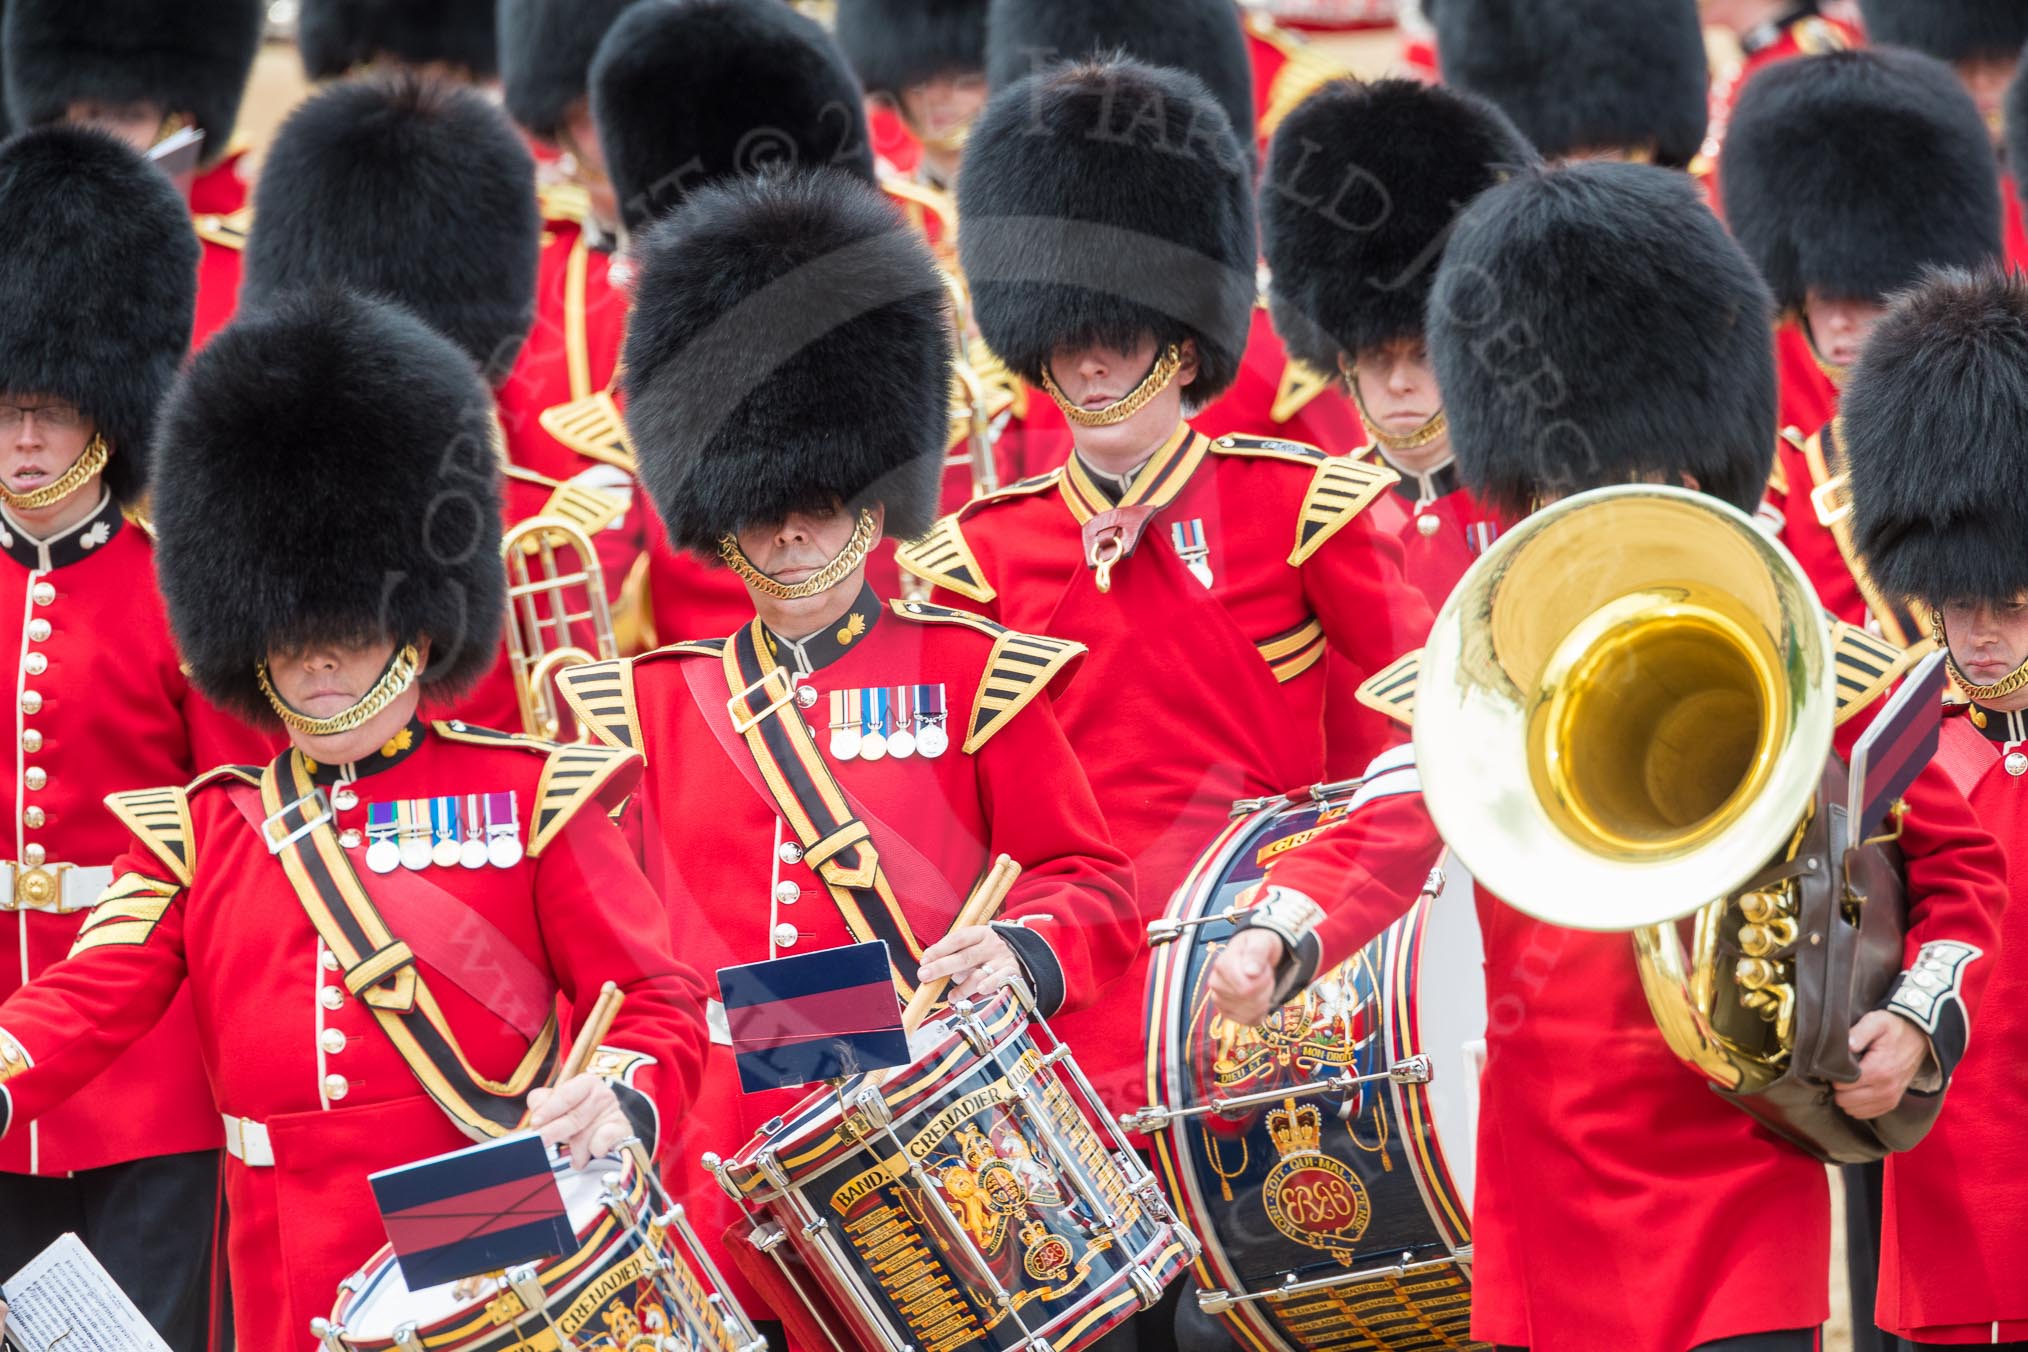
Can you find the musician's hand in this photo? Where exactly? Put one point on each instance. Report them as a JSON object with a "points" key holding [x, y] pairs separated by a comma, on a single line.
{"points": [[583, 1114], [1243, 978], [976, 959], [1890, 1050]]}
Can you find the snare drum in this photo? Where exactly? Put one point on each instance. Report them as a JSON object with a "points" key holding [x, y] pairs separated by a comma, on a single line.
{"points": [[963, 1201], [1325, 1157], [628, 1286]]}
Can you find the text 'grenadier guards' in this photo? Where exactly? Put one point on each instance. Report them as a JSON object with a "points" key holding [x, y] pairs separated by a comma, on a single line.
{"points": [[375, 928], [844, 766]]}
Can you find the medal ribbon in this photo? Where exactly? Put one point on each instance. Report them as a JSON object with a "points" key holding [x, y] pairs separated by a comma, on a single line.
{"points": [[380, 969], [836, 844]]}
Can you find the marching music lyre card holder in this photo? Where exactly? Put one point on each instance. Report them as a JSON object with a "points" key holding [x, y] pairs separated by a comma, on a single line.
{"points": [[65, 1301]]}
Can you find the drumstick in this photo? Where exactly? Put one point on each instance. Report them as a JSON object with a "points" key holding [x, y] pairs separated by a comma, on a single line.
{"points": [[981, 907], [600, 1022]]}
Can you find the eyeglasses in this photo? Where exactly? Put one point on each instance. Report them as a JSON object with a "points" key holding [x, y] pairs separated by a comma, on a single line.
{"points": [[56, 417]]}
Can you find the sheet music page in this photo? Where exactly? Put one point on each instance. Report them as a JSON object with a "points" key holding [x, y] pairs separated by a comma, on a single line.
{"points": [[64, 1300]]}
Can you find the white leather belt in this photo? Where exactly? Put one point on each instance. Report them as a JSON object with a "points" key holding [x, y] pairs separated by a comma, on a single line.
{"points": [[247, 1141], [714, 1019], [60, 889]]}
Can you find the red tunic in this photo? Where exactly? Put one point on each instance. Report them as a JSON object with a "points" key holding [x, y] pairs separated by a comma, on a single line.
{"points": [[1600, 1153], [1953, 1264], [2014, 239], [1276, 395], [92, 654], [1808, 493], [285, 1046], [218, 210], [1193, 696], [1442, 528], [713, 846], [572, 350], [1808, 398]]}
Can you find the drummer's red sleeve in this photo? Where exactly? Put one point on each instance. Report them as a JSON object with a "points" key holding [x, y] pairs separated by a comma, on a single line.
{"points": [[602, 922], [61, 1029], [1365, 870], [1956, 876], [1076, 887], [1371, 616]]}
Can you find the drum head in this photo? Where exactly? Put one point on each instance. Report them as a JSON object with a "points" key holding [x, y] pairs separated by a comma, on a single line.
{"points": [[1317, 1181]]}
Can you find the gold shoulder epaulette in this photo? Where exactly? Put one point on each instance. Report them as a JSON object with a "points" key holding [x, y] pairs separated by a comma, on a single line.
{"points": [[1269, 448], [1020, 668], [593, 428], [589, 509], [563, 201], [159, 819], [572, 777], [601, 694], [227, 232], [941, 558], [1343, 488], [1814, 36], [1298, 388], [1391, 690], [1778, 477], [1867, 665], [689, 647]]}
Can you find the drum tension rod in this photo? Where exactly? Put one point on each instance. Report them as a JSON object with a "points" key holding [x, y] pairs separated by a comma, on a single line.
{"points": [[1412, 1070]]}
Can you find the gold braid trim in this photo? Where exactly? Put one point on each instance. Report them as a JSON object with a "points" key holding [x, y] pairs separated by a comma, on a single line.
{"points": [[825, 578], [1159, 375], [89, 462], [399, 676]]}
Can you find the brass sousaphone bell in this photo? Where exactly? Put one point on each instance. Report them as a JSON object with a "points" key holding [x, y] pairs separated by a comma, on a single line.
{"points": [[1624, 722]]}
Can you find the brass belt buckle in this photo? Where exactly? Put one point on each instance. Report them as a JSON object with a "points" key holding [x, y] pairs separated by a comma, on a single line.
{"points": [[34, 888], [1831, 502], [741, 722]]}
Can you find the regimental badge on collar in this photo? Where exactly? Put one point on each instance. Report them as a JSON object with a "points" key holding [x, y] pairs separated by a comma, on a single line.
{"points": [[469, 830], [898, 721], [1193, 548]]}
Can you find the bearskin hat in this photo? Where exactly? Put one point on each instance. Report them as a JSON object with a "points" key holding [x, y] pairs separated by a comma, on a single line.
{"points": [[546, 51], [413, 189], [100, 287], [1581, 75], [1594, 324], [689, 91], [1848, 173], [789, 350], [1363, 182], [337, 36], [1203, 37], [893, 44], [1953, 30], [1102, 202], [1935, 418], [191, 57], [329, 471]]}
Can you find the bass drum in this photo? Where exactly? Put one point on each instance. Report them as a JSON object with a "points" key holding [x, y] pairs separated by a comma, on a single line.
{"points": [[1325, 1157]]}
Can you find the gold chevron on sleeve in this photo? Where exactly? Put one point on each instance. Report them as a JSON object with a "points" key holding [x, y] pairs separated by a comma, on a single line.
{"points": [[1391, 690], [941, 557], [601, 694], [1020, 668], [573, 776], [1867, 665], [1343, 488], [159, 819], [593, 428], [127, 913]]}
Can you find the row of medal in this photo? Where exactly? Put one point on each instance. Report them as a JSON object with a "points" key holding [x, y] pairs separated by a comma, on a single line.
{"points": [[468, 830], [899, 721]]}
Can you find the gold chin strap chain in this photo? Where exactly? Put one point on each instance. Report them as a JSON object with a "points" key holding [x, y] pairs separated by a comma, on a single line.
{"points": [[1112, 415], [80, 473], [825, 578], [2010, 683], [1422, 436], [399, 676]]}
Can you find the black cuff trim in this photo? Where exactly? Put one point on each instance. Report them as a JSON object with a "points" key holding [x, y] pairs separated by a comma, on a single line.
{"points": [[642, 1114], [1295, 972], [1038, 961]]}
